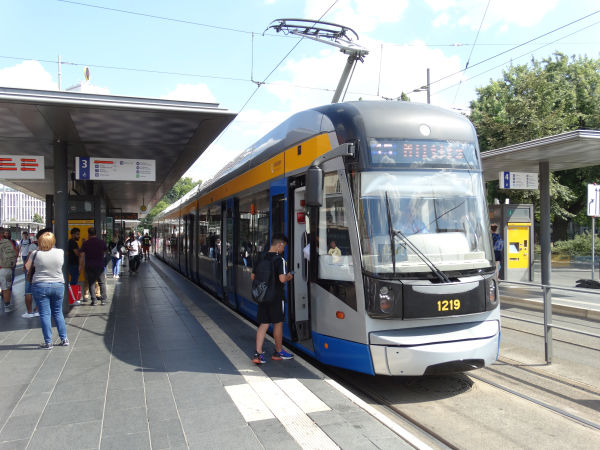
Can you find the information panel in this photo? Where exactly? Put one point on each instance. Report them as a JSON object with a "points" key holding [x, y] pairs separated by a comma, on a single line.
{"points": [[109, 169], [519, 180], [21, 167]]}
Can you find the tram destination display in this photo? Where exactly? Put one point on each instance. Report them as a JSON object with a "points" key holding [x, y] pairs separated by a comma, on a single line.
{"points": [[422, 153]]}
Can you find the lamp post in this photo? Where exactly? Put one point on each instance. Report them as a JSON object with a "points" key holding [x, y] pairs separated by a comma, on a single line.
{"points": [[426, 88]]}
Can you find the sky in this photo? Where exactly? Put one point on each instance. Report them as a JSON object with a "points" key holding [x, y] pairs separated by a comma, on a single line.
{"points": [[223, 52]]}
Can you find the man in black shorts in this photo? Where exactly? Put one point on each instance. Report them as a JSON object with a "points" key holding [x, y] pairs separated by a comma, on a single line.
{"points": [[272, 311]]}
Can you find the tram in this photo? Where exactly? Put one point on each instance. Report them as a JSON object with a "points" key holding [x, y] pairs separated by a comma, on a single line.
{"points": [[383, 204]]}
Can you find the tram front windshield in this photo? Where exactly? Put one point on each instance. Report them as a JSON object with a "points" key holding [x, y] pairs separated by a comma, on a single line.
{"points": [[411, 218]]}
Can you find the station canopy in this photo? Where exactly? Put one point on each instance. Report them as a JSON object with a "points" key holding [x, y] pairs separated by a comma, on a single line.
{"points": [[172, 133], [570, 150]]}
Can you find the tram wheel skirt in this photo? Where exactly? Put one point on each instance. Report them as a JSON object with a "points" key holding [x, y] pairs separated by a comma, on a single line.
{"points": [[414, 361]]}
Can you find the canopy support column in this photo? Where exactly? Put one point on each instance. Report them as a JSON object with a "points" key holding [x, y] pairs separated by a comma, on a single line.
{"points": [[546, 254], [61, 207]]}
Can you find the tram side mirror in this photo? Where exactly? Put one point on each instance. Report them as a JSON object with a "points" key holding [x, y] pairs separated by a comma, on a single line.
{"points": [[314, 186]]}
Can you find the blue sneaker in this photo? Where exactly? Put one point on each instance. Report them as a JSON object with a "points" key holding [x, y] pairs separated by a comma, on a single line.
{"points": [[259, 358], [277, 356]]}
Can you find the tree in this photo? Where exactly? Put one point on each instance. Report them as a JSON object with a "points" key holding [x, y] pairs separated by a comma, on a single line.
{"points": [[546, 97], [182, 187], [37, 218]]}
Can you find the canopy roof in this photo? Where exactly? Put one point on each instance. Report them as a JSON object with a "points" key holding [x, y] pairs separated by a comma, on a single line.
{"points": [[571, 150], [173, 133]]}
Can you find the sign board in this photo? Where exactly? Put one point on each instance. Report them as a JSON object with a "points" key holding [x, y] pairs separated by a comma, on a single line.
{"points": [[21, 167], [126, 216], [518, 180], [593, 200], [112, 169]]}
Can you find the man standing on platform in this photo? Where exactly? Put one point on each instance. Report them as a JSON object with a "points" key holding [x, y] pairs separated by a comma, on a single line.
{"points": [[73, 256], [8, 260], [92, 259], [271, 309]]}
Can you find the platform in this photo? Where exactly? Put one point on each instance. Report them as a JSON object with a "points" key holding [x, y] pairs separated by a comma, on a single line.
{"points": [[164, 365]]}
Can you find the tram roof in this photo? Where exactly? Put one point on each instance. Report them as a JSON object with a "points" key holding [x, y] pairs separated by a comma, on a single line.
{"points": [[570, 150], [173, 133]]}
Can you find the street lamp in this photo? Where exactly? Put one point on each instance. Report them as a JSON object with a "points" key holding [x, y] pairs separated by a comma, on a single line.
{"points": [[425, 89]]}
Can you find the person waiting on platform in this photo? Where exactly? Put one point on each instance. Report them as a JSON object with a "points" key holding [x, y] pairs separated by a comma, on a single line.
{"points": [[146, 241], [73, 256], [48, 287], [133, 249], [8, 260], [24, 246], [116, 244], [92, 259]]}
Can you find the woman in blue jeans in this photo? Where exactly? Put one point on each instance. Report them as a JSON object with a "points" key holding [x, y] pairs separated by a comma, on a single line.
{"points": [[48, 287]]}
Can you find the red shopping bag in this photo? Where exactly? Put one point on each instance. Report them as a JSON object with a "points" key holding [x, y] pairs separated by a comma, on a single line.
{"points": [[74, 293]]}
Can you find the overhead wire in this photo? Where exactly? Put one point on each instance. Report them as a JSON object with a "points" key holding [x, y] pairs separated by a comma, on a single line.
{"points": [[513, 48], [522, 55], [472, 48]]}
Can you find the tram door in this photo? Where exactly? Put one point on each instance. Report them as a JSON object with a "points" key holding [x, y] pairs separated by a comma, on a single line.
{"points": [[228, 252], [300, 227]]}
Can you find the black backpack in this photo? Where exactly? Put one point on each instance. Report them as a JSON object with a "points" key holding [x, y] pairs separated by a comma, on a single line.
{"points": [[264, 279]]}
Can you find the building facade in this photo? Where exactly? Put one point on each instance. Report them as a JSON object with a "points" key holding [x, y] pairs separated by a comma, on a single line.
{"points": [[18, 209]]}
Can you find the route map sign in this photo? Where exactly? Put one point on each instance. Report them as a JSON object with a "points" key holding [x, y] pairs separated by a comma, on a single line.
{"points": [[593, 201], [21, 167], [109, 169], [518, 180]]}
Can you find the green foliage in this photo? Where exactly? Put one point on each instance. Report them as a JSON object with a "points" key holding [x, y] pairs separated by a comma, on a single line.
{"points": [[182, 187], [37, 218], [543, 98], [580, 245]]}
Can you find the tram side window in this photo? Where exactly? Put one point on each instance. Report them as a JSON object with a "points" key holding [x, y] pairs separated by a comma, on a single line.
{"points": [[214, 232], [260, 224], [244, 256], [203, 232]]}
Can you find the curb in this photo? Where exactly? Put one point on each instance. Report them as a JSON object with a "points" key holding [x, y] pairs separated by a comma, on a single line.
{"points": [[558, 309]]}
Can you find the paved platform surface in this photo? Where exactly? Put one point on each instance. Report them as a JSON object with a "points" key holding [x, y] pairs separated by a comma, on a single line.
{"points": [[163, 365]]}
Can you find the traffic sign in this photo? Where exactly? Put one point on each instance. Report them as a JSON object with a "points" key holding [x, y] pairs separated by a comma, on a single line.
{"points": [[518, 180], [107, 169], [593, 200]]}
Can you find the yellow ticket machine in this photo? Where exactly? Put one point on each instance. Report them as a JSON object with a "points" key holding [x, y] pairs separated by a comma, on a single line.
{"points": [[515, 226]]}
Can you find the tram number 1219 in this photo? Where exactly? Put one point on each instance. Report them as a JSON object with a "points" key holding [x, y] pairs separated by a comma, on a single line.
{"points": [[448, 305]]}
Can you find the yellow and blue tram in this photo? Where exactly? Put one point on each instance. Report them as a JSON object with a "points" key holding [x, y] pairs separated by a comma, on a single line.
{"points": [[384, 207]]}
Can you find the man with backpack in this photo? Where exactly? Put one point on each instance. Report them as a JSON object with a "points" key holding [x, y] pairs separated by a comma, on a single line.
{"points": [[8, 261], [272, 269]]}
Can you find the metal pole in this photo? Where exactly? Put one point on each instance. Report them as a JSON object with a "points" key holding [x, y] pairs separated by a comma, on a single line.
{"points": [[59, 74], [544, 167], [343, 80], [61, 214], [547, 323], [593, 245], [428, 88]]}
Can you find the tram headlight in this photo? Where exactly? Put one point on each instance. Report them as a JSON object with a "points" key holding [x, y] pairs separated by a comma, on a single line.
{"points": [[492, 293], [383, 298]]}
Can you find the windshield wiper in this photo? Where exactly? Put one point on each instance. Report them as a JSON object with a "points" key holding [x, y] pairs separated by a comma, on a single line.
{"points": [[407, 243], [391, 231]]}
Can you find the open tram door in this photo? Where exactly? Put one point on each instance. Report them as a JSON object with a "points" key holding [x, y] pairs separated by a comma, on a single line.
{"points": [[301, 305]]}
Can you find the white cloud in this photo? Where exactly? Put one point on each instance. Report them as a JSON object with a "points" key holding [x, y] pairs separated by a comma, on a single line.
{"points": [[501, 14], [191, 93], [27, 75], [441, 20], [361, 15]]}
